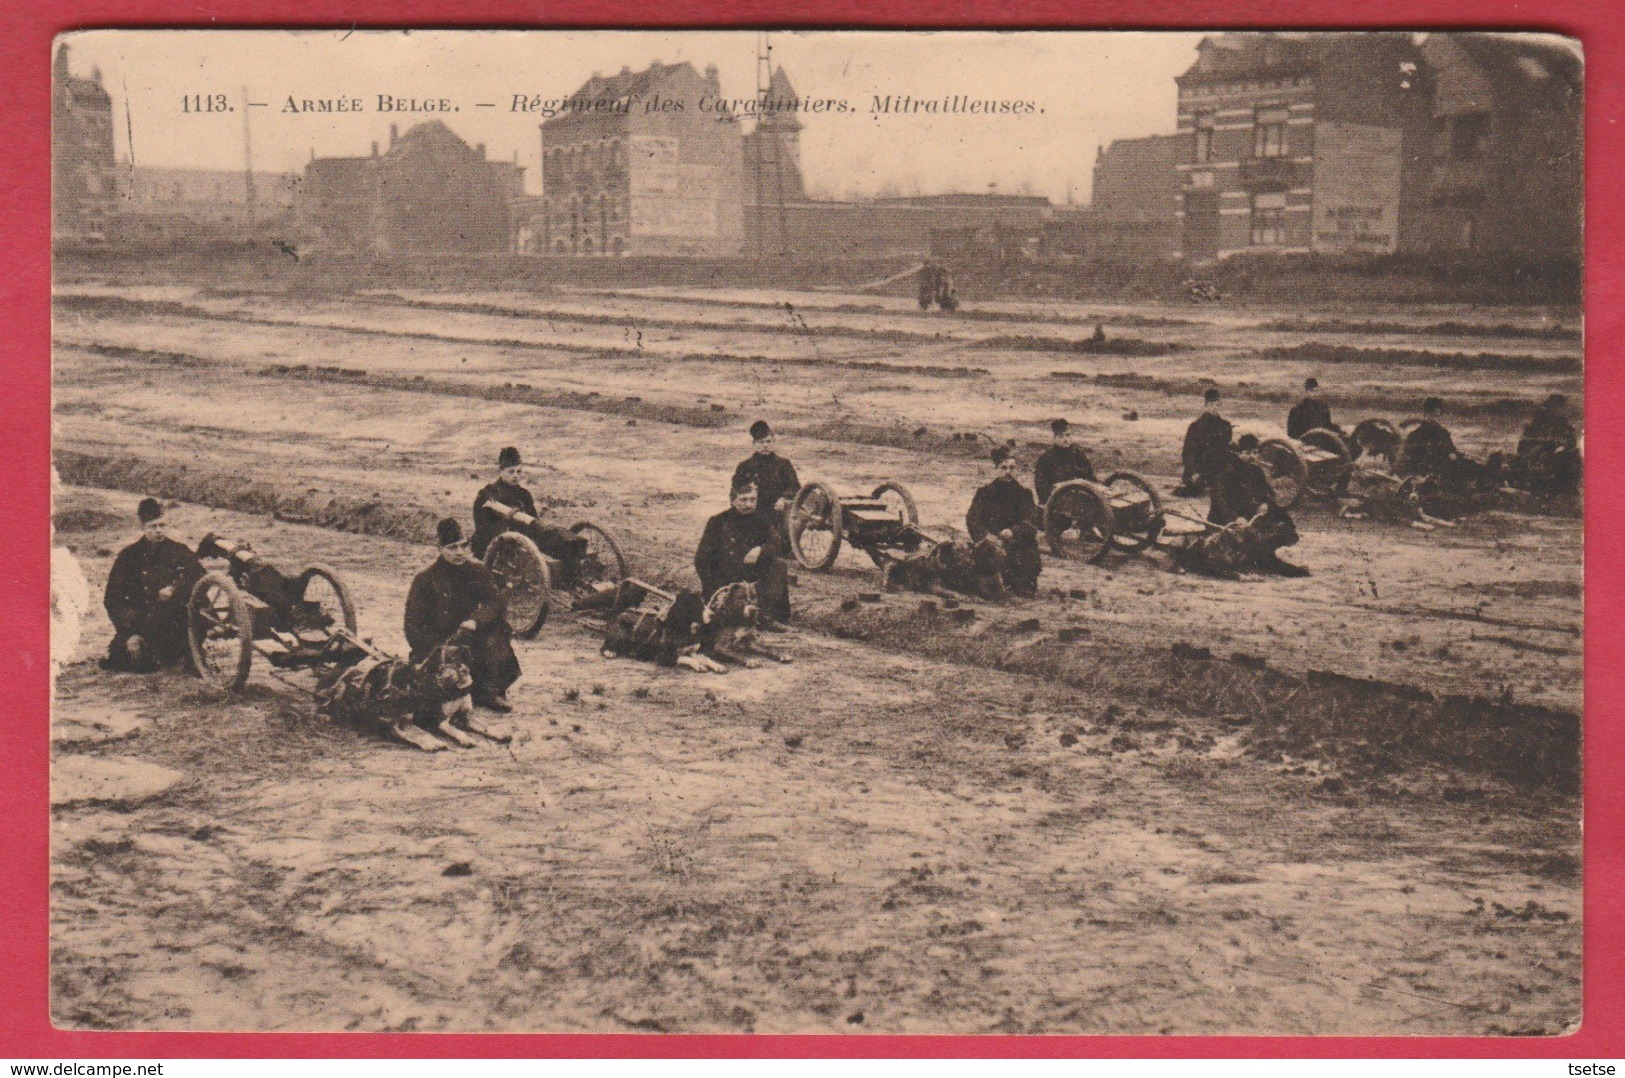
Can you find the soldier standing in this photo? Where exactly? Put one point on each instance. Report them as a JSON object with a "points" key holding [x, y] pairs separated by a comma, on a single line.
{"points": [[773, 476], [1006, 511], [1207, 440], [1311, 413], [458, 595], [508, 490], [148, 590], [740, 546]]}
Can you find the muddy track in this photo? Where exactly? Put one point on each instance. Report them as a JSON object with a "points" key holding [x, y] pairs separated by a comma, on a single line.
{"points": [[1367, 727], [1320, 352], [1431, 329]]}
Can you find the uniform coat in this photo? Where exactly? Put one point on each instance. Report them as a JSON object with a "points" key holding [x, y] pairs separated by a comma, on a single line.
{"points": [[139, 573], [720, 560], [1309, 414], [1058, 464], [1238, 490], [1429, 449], [1207, 440], [1001, 505], [444, 596]]}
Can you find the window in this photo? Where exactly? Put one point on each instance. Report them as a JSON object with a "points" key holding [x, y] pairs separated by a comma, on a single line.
{"points": [[1201, 179], [1269, 133], [1204, 137], [1470, 136], [1268, 209]]}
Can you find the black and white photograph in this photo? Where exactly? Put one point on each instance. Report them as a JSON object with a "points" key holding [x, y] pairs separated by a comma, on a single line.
{"points": [[817, 532]]}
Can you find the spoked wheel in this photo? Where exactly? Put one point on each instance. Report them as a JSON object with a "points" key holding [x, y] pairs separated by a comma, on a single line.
{"points": [[1084, 508], [221, 632], [1330, 476], [603, 563], [322, 588], [813, 521], [523, 573], [1288, 475], [899, 502], [1136, 511]]}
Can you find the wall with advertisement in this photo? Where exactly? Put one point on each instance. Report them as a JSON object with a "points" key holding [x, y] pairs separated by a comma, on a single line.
{"points": [[1356, 187]]}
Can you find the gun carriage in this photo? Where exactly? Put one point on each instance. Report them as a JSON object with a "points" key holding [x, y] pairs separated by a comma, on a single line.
{"points": [[530, 577], [884, 525], [1084, 519]]}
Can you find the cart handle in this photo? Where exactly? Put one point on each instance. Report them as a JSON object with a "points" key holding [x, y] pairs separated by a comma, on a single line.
{"points": [[508, 512]]}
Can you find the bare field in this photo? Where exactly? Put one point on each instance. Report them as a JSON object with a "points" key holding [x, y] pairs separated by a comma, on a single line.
{"points": [[881, 837]]}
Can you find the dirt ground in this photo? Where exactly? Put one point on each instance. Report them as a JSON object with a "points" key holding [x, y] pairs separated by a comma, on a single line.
{"points": [[867, 840]]}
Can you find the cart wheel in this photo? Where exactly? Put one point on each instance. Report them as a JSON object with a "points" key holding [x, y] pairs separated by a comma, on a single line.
{"points": [[899, 502], [813, 521], [525, 577], [1137, 527], [1378, 438], [221, 632], [1288, 475], [1085, 508], [320, 585], [1331, 477], [604, 563]]}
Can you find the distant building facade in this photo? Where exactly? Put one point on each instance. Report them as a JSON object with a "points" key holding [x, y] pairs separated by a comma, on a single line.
{"points": [[772, 169], [1300, 142], [637, 166], [430, 192], [177, 201], [1134, 209], [83, 190], [1505, 169]]}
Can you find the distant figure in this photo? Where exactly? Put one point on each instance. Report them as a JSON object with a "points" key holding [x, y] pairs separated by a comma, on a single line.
{"points": [[148, 590], [1100, 333], [947, 299], [1311, 413], [930, 273], [1207, 441], [1005, 510]]}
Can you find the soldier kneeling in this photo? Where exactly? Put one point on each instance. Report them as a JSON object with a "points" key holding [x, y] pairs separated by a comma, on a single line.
{"points": [[974, 569]]}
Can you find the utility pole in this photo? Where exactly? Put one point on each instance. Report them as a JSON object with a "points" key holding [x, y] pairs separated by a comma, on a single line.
{"points": [[248, 167]]}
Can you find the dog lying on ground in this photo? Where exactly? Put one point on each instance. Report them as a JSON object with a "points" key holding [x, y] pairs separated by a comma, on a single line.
{"points": [[683, 630], [974, 569], [1374, 494], [396, 695], [1244, 545]]}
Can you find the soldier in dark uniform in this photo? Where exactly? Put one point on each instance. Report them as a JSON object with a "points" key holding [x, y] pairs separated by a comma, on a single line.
{"points": [[741, 546], [147, 592], [456, 595], [1005, 510], [928, 284], [773, 476], [1207, 440], [1430, 451], [1060, 463], [1311, 413], [562, 545], [1242, 492], [1548, 460]]}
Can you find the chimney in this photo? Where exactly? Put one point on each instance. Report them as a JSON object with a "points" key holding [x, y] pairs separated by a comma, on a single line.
{"points": [[713, 77], [375, 147], [479, 150], [625, 70], [394, 133]]}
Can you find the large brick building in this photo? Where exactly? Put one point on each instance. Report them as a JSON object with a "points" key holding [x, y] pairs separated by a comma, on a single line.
{"points": [[637, 165], [82, 164], [1505, 170], [1301, 142], [430, 192]]}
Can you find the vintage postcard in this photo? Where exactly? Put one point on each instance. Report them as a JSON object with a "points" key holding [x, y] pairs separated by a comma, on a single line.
{"points": [[817, 532]]}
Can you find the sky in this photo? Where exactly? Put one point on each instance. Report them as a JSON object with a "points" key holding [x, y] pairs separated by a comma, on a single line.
{"points": [[1085, 88]]}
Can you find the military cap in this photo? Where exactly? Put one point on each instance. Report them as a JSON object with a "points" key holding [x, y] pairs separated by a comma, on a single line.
{"points": [[1059, 426], [508, 458], [1556, 400], [1000, 454], [1210, 396], [1432, 404], [1246, 443], [1311, 383], [448, 532], [760, 429], [149, 510]]}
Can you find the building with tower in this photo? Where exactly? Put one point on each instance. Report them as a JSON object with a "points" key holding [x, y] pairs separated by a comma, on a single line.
{"points": [[83, 178], [773, 180]]}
